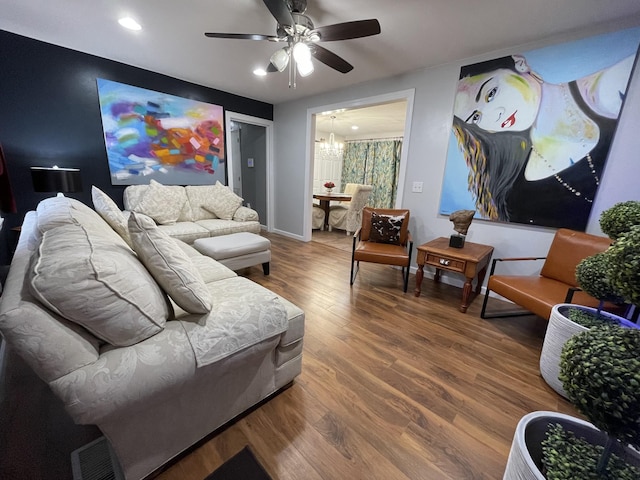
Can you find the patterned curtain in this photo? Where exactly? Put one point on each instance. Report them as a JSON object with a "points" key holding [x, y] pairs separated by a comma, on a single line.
{"points": [[376, 163]]}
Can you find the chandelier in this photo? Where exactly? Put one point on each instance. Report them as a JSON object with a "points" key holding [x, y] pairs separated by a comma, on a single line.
{"points": [[332, 147]]}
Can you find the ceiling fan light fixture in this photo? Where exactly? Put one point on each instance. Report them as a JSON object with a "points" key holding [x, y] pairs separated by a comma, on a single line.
{"points": [[305, 68], [280, 59], [301, 52], [302, 56]]}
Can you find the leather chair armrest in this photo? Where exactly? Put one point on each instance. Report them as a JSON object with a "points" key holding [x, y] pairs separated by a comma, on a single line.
{"points": [[570, 292], [356, 237], [511, 259]]}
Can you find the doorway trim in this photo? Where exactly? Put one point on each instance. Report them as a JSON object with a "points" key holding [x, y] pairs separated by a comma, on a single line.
{"points": [[261, 122], [407, 95]]}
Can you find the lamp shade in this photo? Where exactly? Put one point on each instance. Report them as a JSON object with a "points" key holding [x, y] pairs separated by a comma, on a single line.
{"points": [[280, 59], [54, 179]]}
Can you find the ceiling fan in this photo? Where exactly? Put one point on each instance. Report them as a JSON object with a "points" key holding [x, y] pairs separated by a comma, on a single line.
{"points": [[297, 30]]}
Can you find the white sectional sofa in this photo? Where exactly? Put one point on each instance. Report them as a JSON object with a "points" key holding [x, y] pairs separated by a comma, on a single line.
{"points": [[157, 344], [192, 212]]}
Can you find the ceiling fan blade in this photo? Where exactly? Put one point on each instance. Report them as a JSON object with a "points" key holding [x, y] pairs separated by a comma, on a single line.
{"points": [[348, 30], [330, 59], [280, 12], [243, 36]]}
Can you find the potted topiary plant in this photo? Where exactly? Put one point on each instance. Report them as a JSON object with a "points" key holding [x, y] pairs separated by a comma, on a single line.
{"points": [[600, 369], [599, 276], [619, 219]]}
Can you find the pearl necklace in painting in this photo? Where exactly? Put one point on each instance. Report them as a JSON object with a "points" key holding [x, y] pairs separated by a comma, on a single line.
{"points": [[566, 185]]}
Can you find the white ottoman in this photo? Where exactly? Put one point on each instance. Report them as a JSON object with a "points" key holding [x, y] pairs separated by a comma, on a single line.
{"points": [[237, 250]]}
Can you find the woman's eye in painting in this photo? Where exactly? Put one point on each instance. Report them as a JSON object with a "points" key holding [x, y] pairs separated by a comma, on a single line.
{"points": [[474, 117], [490, 94]]}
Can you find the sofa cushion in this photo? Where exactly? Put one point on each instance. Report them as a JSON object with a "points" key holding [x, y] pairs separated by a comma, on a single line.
{"points": [[163, 203], [187, 232], [216, 227], [224, 202], [110, 212], [243, 314], [169, 265], [92, 281]]}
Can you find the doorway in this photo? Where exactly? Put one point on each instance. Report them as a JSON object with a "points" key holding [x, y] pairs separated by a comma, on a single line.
{"points": [[378, 113], [250, 151]]}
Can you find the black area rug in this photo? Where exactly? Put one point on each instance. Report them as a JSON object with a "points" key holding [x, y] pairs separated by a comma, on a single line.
{"points": [[242, 466]]}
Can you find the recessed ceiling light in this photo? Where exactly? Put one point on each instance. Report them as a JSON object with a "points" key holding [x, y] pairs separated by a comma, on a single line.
{"points": [[259, 72], [130, 23], [354, 127]]}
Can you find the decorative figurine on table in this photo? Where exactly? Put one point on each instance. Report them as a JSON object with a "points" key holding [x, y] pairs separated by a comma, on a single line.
{"points": [[461, 220]]}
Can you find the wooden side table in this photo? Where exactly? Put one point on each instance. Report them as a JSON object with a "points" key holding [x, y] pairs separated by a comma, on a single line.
{"points": [[471, 261]]}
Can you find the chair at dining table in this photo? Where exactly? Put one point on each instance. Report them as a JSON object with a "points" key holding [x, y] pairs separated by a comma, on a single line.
{"points": [[317, 218], [348, 215]]}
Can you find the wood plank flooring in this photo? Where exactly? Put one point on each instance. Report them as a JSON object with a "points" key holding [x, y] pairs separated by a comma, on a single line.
{"points": [[392, 386]]}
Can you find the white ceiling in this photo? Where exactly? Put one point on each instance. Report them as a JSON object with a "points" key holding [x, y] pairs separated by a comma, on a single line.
{"points": [[415, 34], [373, 121]]}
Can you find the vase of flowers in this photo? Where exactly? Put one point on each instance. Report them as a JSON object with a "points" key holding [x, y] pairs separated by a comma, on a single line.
{"points": [[329, 186]]}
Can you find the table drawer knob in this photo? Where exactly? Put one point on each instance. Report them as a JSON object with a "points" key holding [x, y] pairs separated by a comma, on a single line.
{"points": [[444, 262]]}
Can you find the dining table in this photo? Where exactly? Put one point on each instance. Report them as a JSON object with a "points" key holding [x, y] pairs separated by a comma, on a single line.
{"points": [[325, 202]]}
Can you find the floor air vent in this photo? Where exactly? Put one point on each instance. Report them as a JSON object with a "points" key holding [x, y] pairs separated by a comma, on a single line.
{"points": [[95, 461]]}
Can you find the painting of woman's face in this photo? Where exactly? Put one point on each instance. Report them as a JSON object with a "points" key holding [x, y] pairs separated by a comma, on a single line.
{"points": [[498, 101]]}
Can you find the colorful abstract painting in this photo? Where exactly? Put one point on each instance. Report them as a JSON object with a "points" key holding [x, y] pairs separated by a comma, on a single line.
{"points": [[153, 135], [531, 132]]}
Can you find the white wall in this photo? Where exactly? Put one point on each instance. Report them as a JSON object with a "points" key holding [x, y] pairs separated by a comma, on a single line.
{"points": [[430, 129]]}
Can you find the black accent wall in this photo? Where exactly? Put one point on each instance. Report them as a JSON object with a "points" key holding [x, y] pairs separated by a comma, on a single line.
{"points": [[50, 114]]}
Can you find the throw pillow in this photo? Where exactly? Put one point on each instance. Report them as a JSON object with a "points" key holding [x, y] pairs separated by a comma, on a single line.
{"points": [[386, 228], [162, 203], [92, 281], [224, 203], [108, 210], [169, 265], [198, 196]]}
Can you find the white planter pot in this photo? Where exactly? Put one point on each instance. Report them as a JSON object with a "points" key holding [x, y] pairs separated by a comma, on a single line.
{"points": [[559, 330], [525, 456]]}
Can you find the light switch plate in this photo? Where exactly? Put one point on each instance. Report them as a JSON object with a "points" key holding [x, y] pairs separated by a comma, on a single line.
{"points": [[417, 187]]}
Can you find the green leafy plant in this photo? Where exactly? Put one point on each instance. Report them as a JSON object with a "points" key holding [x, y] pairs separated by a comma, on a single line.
{"points": [[624, 263], [566, 456], [600, 371], [593, 275], [587, 318], [620, 218]]}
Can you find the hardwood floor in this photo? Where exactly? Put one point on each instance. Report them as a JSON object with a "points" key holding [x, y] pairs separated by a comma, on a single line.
{"points": [[392, 386]]}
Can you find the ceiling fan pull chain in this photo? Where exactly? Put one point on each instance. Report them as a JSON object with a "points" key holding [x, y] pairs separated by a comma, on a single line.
{"points": [[292, 72]]}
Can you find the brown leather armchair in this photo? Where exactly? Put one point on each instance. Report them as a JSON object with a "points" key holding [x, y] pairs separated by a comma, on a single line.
{"points": [[556, 282], [384, 238]]}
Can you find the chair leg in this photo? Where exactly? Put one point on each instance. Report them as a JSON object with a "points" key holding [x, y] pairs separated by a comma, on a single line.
{"points": [[406, 278], [484, 314], [354, 272]]}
